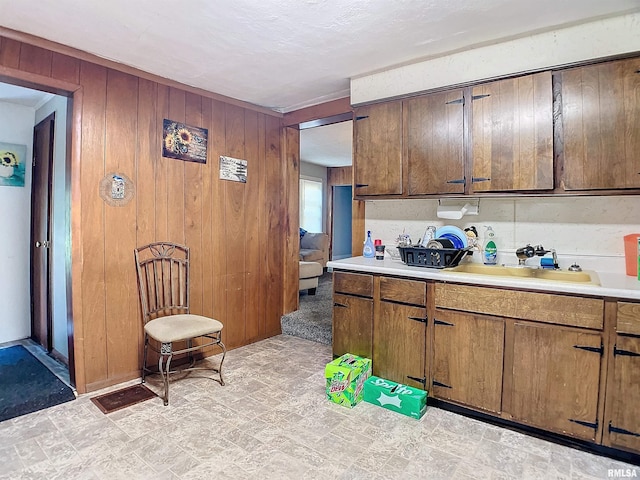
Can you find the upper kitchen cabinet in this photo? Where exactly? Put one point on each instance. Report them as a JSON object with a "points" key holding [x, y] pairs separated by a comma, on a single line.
{"points": [[599, 142], [377, 149], [512, 135], [434, 136]]}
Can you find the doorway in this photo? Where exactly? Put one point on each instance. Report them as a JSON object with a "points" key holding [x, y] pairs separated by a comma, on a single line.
{"points": [[40, 271], [341, 217]]}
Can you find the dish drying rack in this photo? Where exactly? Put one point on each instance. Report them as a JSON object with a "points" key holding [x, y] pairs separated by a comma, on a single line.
{"points": [[419, 256]]}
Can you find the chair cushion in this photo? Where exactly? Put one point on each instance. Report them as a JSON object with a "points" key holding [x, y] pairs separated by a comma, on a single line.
{"points": [[173, 328]]}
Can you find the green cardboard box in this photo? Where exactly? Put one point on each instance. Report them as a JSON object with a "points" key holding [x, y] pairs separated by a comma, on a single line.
{"points": [[395, 396], [345, 378]]}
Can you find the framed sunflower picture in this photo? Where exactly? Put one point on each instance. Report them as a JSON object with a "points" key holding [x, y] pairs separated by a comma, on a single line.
{"points": [[12, 164], [184, 142]]}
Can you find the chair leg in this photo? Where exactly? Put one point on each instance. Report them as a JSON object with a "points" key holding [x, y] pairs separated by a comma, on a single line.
{"points": [[144, 357], [224, 353], [164, 372]]}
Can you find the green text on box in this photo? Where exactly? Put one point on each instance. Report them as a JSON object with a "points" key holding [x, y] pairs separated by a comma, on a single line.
{"points": [[395, 396], [345, 378]]}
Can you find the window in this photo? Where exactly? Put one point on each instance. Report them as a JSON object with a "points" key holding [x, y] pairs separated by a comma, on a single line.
{"points": [[311, 204]]}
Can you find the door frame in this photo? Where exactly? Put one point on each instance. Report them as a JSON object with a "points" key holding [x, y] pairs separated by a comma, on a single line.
{"points": [[325, 114], [73, 261]]}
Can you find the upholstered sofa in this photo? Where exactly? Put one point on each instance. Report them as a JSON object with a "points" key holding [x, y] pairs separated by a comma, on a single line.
{"points": [[314, 247]]}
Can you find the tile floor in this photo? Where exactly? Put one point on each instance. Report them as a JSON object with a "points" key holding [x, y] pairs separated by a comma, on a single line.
{"points": [[272, 421]]}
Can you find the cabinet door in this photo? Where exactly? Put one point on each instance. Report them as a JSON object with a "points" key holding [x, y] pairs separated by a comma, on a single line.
{"points": [[601, 126], [623, 396], [467, 359], [352, 325], [555, 378], [399, 336], [512, 134], [434, 136], [377, 149]]}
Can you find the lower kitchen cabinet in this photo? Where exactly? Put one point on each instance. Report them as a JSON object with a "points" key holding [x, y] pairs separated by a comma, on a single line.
{"points": [[553, 374], [622, 417], [467, 359], [352, 321], [399, 331], [565, 364], [352, 314]]}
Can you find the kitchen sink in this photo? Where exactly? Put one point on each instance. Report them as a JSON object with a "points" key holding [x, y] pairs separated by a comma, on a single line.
{"points": [[528, 272]]}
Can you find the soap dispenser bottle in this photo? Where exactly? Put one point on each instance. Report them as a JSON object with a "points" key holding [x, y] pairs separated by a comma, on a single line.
{"points": [[490, 253], [368, 250]]}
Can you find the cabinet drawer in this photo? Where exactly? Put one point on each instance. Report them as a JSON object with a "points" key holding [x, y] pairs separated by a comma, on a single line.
{"points": [[539, 307], [628, 318], [404, 291], [353, 283]]}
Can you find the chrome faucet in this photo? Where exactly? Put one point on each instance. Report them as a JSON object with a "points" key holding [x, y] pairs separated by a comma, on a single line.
{"points": [[529, 252]]}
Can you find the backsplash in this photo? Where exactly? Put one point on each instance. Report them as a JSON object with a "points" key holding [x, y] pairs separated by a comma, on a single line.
{"points": [[589, 230]]}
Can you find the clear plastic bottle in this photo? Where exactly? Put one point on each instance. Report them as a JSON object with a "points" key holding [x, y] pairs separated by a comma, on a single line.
{"points": [[368, 251], [490, 252]]}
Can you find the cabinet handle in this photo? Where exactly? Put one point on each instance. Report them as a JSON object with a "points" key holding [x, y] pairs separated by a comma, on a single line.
{"points": [[459, 180], [438, 384], [585, 424], [418, 319], [362, 117], [336, 304], [458, 100], [358, 185], [626, 353], [613, 429], [599, 349], [480, 179], [422, 380], [478, 97], [440, 322]]}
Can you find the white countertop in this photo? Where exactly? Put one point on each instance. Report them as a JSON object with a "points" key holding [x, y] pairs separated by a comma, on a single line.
{"points": [[614, 285]]}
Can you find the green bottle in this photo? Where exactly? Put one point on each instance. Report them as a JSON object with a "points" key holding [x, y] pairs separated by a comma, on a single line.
{"points": [[490, 253]]}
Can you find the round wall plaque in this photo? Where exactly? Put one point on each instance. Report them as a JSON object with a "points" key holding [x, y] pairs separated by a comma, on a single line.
{"points": [[116, 189]]}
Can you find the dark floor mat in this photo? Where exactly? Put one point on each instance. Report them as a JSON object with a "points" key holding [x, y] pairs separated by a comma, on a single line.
{"points": [[125, 397], [26, 385]]}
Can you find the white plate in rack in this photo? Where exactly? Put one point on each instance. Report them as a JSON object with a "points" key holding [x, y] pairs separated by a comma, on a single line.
{"points": [[449, 231]]}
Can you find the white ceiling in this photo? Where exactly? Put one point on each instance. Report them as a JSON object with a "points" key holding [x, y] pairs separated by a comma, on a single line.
{"points": [[287, 54], [23, 96], [329, 145]]}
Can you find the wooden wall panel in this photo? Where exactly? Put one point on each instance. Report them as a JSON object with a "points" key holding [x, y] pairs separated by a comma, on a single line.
{"points": [[193, 173], [10, 53], [35, 60], [209, 254], [162, 169], [291, 189], [259, 282], [94, 81], [65, 68], [235, 225], [219, 244], [275, 204], [175, 174], [253, 239], [121, 300], [240, 237]]}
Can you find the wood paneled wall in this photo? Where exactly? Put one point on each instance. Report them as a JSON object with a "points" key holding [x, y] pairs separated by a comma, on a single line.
{"points": [[237, 232]]}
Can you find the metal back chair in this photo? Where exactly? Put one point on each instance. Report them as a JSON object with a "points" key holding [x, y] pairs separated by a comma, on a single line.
{"points": [[163, 281]]}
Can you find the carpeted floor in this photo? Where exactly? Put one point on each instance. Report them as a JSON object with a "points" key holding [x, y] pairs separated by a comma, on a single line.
{"points": [[26, 385], [313, 319]]}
